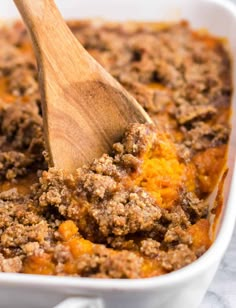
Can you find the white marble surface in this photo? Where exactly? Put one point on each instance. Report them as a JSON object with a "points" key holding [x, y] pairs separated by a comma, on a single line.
{"points": [[222, 291]]}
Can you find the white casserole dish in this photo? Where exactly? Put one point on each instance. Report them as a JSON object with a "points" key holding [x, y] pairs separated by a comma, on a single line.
{"points": [[186, 287]]}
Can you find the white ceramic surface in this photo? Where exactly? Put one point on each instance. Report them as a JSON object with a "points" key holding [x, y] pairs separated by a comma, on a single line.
{"points": [[186, 287]]}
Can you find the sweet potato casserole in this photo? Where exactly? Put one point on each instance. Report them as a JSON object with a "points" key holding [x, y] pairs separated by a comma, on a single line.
{"points": [[143, 209]]}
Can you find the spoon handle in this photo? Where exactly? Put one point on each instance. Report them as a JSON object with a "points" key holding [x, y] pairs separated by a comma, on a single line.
{"points": [[45, 23]]}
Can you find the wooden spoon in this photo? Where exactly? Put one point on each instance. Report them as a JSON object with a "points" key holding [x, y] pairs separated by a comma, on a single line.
{"points": [[85, 109]]}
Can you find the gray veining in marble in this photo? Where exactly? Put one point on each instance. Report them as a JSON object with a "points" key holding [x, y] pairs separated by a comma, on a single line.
{"points": [[222, 291]]}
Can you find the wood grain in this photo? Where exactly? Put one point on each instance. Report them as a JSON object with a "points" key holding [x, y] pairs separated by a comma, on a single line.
{"points": [[85, 109]]}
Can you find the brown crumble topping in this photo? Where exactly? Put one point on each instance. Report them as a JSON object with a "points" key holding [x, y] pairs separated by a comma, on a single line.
{"points": [[142, 210]]}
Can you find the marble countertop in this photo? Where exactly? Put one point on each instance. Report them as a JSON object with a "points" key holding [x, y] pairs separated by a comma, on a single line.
{"points": [[222, 291]]}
